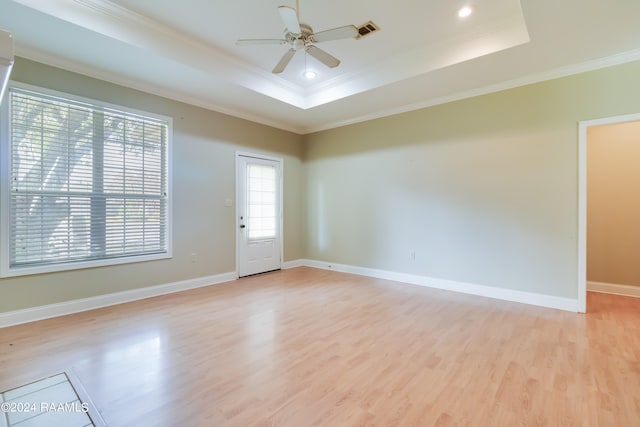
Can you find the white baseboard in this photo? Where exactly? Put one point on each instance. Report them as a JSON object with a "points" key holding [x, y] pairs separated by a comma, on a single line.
{"points": [[292, 264], [531, 298], [17, 317], [615, 289], [75, 306]]}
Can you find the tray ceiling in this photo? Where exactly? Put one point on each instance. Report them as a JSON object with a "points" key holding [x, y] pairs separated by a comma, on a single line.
{"points": [[423, 54]]}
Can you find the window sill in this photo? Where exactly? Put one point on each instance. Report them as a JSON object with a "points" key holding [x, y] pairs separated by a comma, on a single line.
{"points": [[69, 266]]}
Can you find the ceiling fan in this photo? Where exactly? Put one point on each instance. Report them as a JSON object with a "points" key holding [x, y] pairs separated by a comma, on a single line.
{"points": [[300, 35]]}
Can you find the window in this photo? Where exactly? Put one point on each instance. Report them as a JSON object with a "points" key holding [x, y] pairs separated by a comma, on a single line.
{"points": [[84, 183], [261, 196]]}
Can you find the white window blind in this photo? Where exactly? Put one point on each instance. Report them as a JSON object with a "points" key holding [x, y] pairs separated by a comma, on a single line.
{"points": [[86, 182]]}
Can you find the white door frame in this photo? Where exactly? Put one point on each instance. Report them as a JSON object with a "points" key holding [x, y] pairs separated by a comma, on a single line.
{"points": [[281, 204], [583, 126]]}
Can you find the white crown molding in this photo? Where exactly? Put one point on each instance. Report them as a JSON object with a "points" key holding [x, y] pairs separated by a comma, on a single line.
{"points": [[112, 20], [541, 300], [97, 73], [56, 61], [118, 23], [583, 67], [79, 305]]}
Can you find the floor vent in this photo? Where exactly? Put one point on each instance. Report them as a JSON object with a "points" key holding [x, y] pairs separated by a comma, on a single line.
{"points": [[366, 29]]}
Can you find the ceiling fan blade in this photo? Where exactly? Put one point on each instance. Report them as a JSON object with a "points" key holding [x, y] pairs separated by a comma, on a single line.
{"points": [[346, 32], [261, 41], [290, 19], [323, 56], [284, 61]]}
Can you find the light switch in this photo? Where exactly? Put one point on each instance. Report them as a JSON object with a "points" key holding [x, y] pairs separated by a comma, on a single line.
{"points": [[228, 203]]}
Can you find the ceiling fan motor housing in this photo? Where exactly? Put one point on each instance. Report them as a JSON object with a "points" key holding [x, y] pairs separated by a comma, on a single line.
{"points": [[300, 40]]}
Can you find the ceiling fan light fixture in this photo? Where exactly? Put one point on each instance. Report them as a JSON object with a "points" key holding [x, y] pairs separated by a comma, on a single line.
{"points": [[310, 74], [464, 11]]}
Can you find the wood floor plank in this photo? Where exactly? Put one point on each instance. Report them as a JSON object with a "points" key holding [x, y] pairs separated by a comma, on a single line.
{"points": [[306, 347]]}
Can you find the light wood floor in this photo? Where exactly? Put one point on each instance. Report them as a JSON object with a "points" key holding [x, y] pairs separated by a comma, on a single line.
{"points": [[307, 347]]}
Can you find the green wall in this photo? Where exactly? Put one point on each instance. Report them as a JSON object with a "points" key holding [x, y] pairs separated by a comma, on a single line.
{"points": [[204, 147], [482, 190]]}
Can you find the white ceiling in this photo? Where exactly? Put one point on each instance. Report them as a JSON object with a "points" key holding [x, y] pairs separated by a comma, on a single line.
{"points": [[424, 53]]}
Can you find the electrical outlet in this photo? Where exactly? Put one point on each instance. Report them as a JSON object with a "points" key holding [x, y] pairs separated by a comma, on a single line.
{"points": [[412, 255], [193, 257]]}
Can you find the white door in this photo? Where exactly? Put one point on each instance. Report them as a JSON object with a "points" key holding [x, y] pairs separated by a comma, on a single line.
{"points": [[259, 214]]}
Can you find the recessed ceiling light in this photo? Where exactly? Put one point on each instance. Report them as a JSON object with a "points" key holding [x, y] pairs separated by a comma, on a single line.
{"points": [[464, 11], [310, 74]]}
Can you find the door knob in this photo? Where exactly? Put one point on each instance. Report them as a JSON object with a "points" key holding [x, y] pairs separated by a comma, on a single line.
{"points": [[242, 225]]}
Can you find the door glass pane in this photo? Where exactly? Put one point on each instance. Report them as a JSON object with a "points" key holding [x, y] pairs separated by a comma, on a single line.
{"points": [[261, 201]]}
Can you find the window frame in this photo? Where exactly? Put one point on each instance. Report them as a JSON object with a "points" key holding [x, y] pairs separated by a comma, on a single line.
{"points": [[5, 170]]}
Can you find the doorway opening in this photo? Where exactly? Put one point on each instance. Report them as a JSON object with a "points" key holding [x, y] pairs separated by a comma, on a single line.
{"points": [[583, 139]]}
